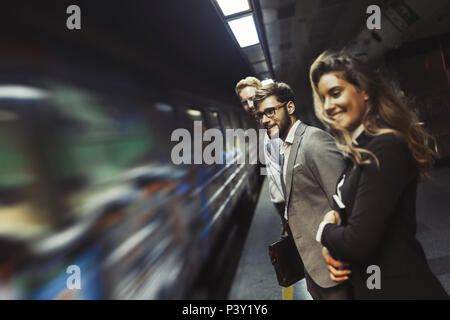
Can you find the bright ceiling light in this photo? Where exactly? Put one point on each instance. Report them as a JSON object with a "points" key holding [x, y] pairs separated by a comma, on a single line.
{"points": [[194, 113], [266, 81], [230, 7], [244, 30], [21, 92], [160, 106]]}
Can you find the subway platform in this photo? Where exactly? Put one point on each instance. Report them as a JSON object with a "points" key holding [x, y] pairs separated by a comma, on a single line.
{"points": [[255, 277]]}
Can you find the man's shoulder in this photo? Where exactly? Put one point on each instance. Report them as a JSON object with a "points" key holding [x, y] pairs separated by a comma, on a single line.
{"points": [[318, 145], [315, 137]]}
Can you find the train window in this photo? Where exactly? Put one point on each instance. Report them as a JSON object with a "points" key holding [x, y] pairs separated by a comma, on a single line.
{"points": [[225, 120], [234, 121], [162, 118], [13, 163], [214, 120], [23, 213], [161, 123], [249, 122], [112, 139], [185, 119]]}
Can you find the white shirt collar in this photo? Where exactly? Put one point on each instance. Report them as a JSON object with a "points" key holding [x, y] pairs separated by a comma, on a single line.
{"points": [[356, 133], [290, 137], [291, 134]]}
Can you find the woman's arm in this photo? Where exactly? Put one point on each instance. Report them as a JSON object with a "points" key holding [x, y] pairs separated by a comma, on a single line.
{"points": [[377, 196]]}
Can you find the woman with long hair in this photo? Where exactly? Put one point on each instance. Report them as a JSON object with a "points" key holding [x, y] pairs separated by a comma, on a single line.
{"points": [[370, 239]]}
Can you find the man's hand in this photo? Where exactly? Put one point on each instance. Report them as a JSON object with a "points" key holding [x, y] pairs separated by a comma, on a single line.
{"points": [[333, 265], [332, 217]]}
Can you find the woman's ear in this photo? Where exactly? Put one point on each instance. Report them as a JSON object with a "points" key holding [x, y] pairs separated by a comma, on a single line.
{"points": [[365, 96], [363, 93]]}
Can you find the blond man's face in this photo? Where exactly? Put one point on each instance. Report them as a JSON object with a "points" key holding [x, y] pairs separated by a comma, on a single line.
{"points": [[246, 96]]}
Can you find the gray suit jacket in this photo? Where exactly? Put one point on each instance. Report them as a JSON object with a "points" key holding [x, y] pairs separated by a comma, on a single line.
{"points": [[312, 173]]}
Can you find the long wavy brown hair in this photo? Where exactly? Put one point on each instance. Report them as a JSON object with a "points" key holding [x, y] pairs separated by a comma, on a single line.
{"points": [[386, 112]]}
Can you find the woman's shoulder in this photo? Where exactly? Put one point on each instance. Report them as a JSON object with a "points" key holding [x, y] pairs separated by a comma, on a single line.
{"points": [[386, 141], [389, 147]]}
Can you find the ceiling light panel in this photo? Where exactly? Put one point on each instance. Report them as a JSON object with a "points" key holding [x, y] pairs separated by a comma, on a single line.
{"points": [[230, 7], [244, 31]]}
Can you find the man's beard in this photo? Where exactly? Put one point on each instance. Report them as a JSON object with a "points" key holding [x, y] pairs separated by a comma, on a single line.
{"points": [[284, 125]]}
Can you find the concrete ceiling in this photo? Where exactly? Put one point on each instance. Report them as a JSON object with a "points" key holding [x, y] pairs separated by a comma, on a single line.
{"points": [[187, 41], [297, 31]]}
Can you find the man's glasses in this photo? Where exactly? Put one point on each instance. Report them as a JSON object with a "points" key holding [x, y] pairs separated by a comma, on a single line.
{"points": [[269, 112]]}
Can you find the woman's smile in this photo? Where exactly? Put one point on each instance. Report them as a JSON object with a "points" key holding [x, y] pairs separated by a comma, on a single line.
{"points": [[342, 101]]}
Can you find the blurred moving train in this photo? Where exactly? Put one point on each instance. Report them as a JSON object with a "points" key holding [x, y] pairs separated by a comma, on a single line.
{"points": [[86, 177], [86, 180]]}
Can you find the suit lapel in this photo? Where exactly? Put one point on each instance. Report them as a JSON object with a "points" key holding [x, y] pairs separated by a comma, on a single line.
{"points": [[292, 157], [352, 176]]}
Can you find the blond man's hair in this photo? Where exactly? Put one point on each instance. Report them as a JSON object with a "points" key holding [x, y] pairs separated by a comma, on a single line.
{"points": [[247, 82]]}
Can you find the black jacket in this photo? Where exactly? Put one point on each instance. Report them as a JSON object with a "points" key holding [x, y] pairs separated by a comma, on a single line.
{"points": [[379, 224]]}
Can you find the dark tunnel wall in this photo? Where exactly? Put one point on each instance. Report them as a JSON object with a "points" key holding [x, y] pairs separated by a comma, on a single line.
{"points": [[422, 72], [166, 45]]}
